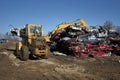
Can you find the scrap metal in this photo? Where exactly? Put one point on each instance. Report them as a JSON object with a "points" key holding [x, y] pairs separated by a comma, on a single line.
{"points": [[84, 42]]}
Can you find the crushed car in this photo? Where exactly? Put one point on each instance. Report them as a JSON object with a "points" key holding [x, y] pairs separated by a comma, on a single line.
{"points": [[82, 42]]}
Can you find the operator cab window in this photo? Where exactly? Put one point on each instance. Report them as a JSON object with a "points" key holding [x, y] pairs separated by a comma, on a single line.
{"points": [[35, 30]]}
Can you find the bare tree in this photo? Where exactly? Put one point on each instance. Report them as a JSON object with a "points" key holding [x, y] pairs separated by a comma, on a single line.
{"points": [[118, 29], [108, 25]]}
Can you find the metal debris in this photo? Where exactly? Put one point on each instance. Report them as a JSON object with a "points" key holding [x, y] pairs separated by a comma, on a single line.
{"points": [[83, 42]]}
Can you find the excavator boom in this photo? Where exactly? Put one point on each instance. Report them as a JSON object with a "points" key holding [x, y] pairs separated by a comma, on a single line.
{"points": [[76, 23]]}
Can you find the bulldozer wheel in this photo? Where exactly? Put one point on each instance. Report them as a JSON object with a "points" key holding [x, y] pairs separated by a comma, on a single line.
{"points": [[24, 53], [17, 52]]}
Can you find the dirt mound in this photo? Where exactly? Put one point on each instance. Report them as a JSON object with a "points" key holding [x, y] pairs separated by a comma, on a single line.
{"points": [[7, 69], [59, 68]]}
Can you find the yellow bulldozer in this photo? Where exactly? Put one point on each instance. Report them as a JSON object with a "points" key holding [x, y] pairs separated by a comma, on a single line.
{"points": [[76, 23], [32, 44]]}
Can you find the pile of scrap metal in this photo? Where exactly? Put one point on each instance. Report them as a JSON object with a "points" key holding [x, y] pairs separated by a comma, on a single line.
{"points": [[83, 42]]}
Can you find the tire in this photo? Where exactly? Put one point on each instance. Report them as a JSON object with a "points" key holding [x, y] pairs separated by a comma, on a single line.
{"points": [[24, 56], [17, 51]]}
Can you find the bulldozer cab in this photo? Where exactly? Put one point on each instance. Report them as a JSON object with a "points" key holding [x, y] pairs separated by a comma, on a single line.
{"points": [[34, 30], [31, 31]]}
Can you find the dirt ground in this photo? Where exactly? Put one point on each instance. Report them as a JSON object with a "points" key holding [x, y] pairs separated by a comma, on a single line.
{"points": [[59, 68]]}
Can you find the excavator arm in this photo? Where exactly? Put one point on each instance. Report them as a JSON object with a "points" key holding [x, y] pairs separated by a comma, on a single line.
{"points": [[76, 23]]}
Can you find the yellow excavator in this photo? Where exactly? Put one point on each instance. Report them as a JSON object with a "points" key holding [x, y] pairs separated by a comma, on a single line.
{"points": [[76, 23], [32, 44]]}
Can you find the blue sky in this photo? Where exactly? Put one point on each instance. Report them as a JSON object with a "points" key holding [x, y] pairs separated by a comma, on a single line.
{"points": [[50, 13]]}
